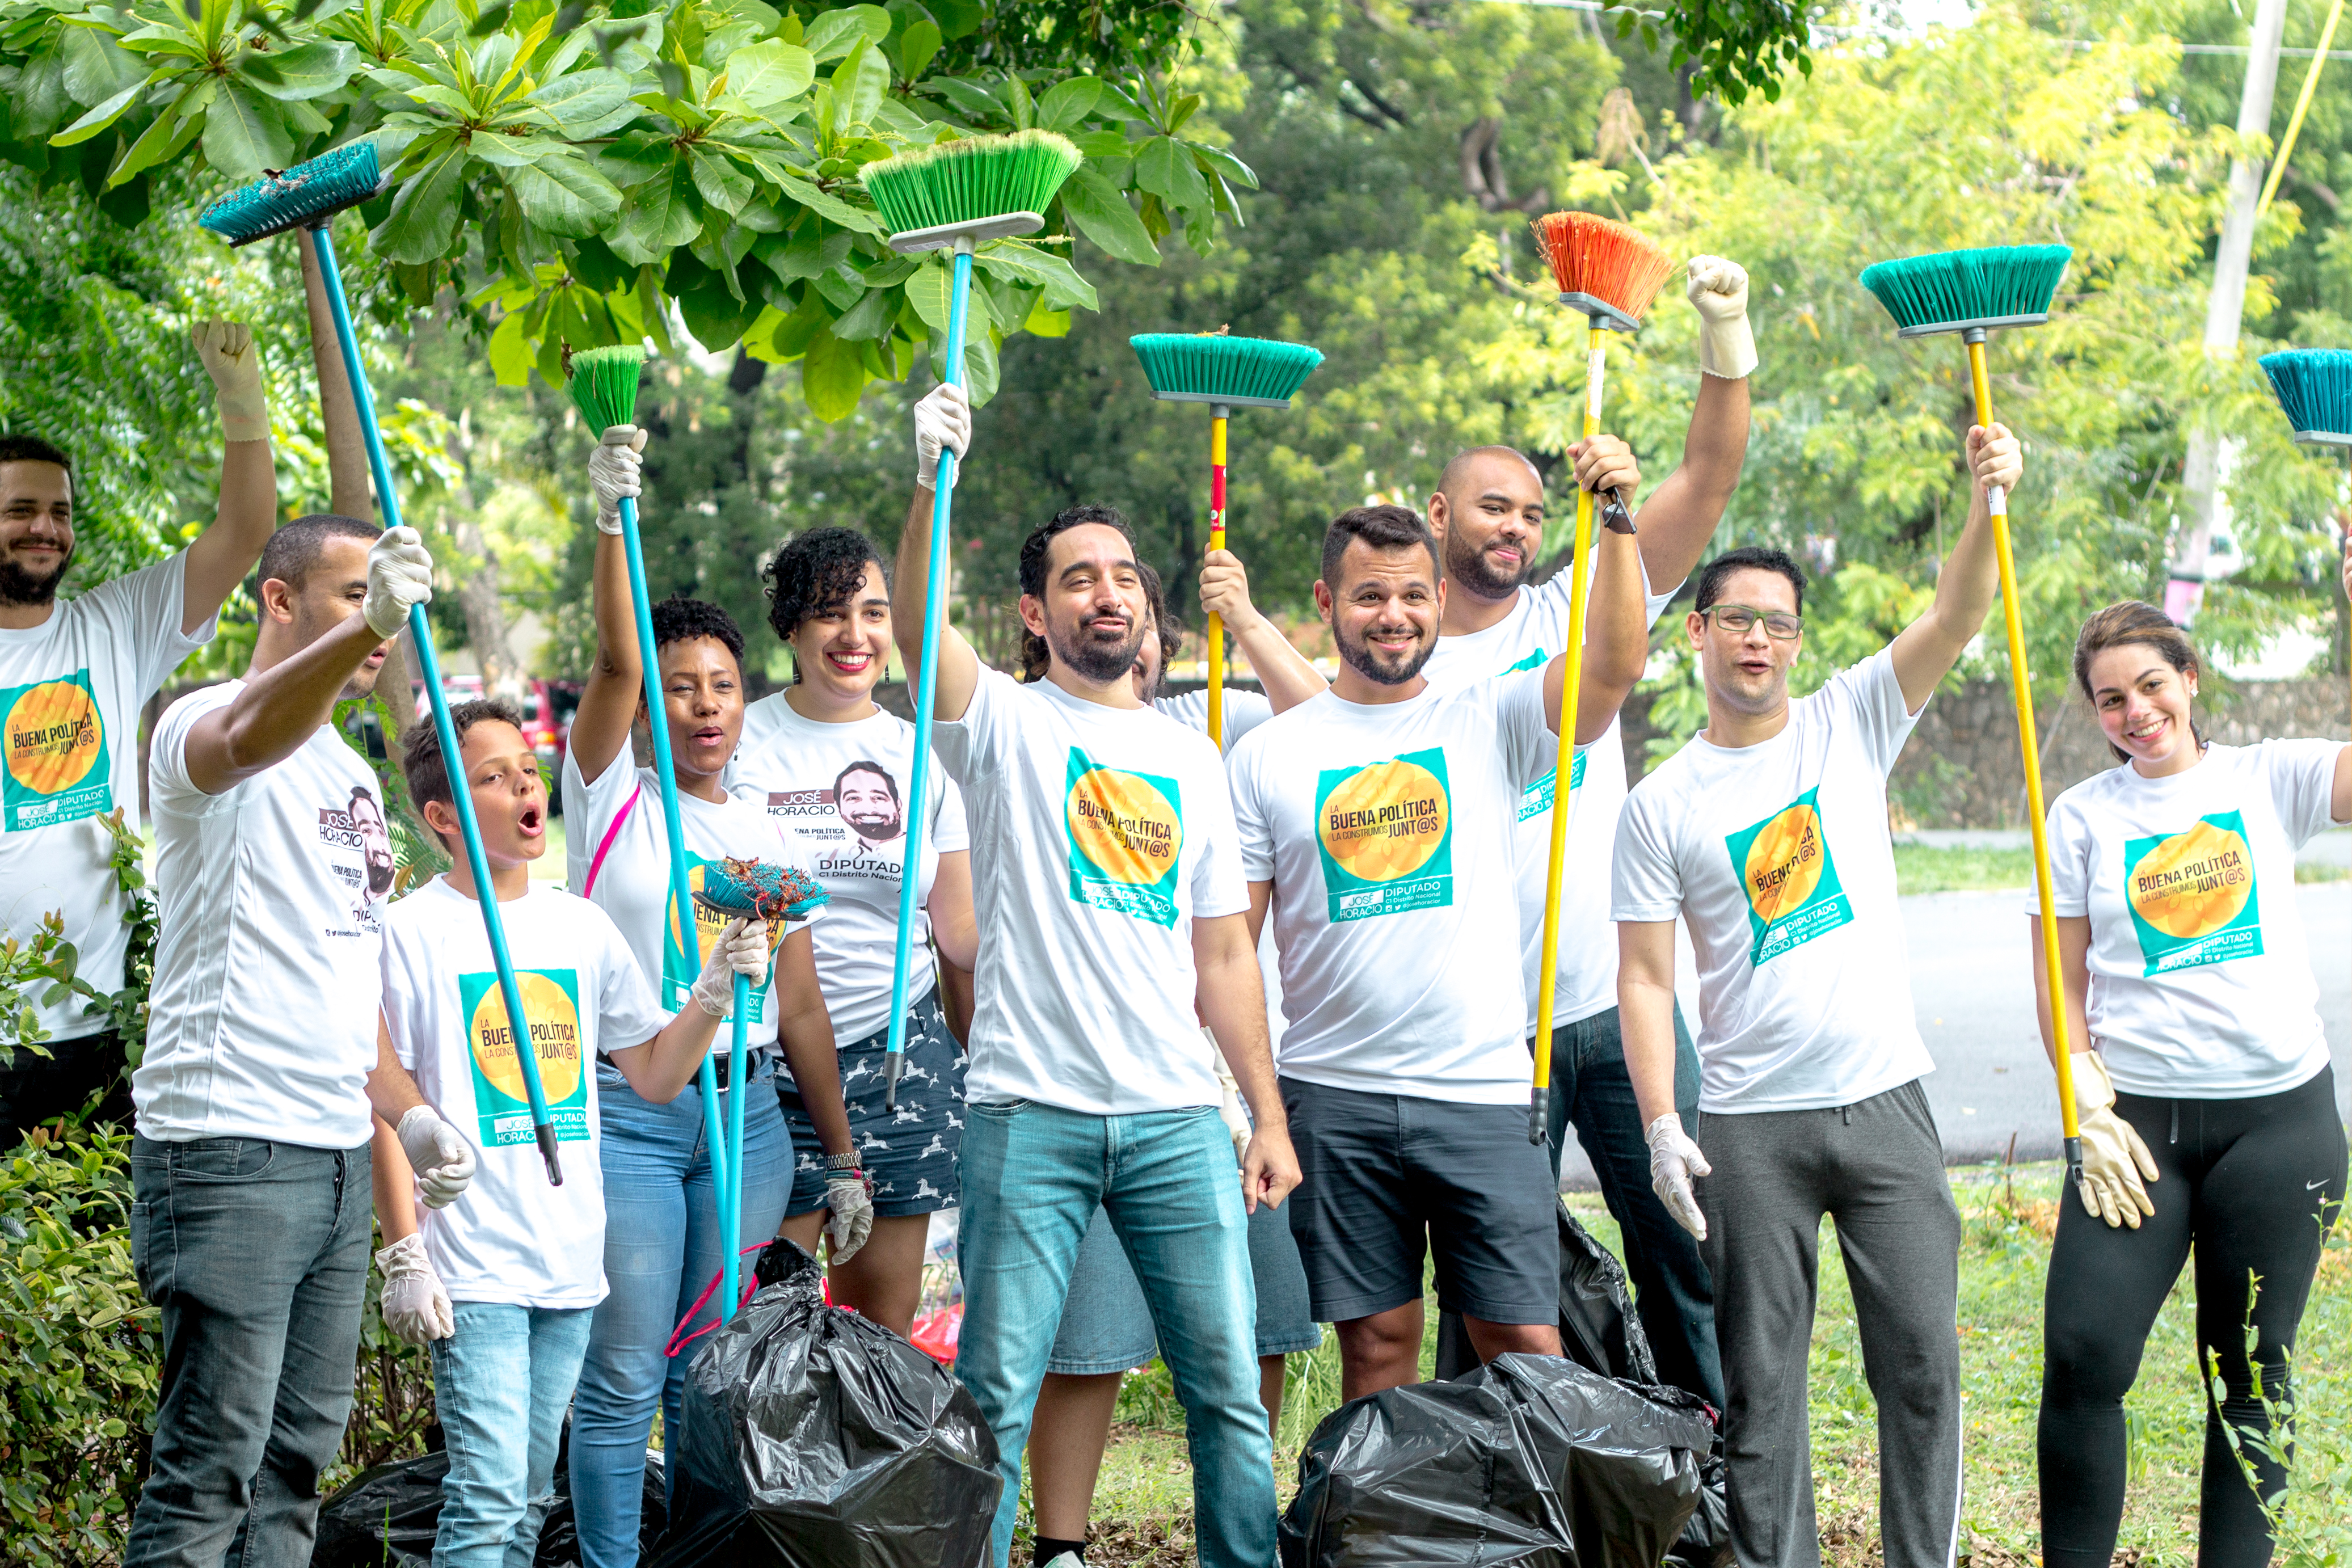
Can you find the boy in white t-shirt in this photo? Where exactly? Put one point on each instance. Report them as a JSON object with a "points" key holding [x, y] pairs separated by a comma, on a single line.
{"points": [[1766, 835], [1106, 884], [504, 1283]]}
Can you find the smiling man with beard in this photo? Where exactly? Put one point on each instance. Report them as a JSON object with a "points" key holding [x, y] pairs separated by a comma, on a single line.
{"points": [[1107, 885], [1376, 823], [73, 675]]}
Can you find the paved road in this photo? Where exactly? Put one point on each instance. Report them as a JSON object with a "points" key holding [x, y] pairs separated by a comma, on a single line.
{"points": [[1975, 998]]}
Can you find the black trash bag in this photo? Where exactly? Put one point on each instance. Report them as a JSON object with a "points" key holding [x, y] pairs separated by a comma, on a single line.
{"points": [[387, 1517], [815, 1438], [559, 1534], [1706, 1540], [1599, 1329], [1529, 1462]]}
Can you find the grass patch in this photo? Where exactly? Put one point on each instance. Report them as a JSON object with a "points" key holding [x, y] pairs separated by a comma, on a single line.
{"points": [[1143, 1503], [1931, 869]]}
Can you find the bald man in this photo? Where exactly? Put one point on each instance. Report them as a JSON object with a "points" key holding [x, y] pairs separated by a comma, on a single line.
{"points": [[1489, 513]]}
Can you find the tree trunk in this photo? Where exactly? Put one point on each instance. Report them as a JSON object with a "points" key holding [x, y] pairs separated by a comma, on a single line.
{"points": [[479, 597]]}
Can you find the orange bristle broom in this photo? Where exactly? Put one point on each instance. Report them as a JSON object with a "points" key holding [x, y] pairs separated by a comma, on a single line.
{"points": [[1611, 274]]}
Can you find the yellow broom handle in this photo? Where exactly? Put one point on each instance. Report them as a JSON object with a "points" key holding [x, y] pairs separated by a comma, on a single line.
{"points": [[1564, 771], [2029, 748], [1216, 633]]}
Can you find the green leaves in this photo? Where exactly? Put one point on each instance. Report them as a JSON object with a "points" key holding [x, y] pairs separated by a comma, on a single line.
{"points": [[1099, 210]]}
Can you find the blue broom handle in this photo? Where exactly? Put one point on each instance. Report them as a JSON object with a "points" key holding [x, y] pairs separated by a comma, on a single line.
{"points": [[730, 1219], [421, 632], [935, 614], [681, 900]]}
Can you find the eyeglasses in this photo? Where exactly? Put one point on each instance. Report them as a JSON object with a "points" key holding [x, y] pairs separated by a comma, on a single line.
{"points": [[1738, 620]]}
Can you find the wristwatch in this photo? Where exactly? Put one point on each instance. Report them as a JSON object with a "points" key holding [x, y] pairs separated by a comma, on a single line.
{"points": [[846, 1162], [1614, 515]]}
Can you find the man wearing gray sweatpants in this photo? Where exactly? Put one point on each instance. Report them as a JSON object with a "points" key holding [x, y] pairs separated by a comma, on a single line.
{"points": [[1766, 835]]}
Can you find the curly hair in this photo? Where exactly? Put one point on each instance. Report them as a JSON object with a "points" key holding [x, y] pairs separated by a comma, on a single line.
{"points": [[1034, 657], [817, 573], [1032, 549], [681, 619]]}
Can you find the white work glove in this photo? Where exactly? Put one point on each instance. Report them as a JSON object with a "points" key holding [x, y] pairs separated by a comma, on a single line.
{"points": [[741, 949], [942, 420], [851, 1198], [1230, 1109], [2111, 1148], [415, 1305], [615, 468], [1718, 288], [234, 364], [1674, 1160], [438, 1153], [399, 575]]}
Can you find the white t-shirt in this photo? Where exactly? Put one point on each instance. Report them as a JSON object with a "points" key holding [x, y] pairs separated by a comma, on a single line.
{"points": [[514, 1236], [70, 692], [1528, 636], [267, 978], [1245, 711], [2201, 983], [1386, 830], [632, 884], [840, 788], [1098, 834], [1777, 857]]}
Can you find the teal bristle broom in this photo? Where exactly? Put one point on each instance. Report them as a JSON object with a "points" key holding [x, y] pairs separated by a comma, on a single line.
{"points": [[951, 196], [1973, 292], [1225, 374], [755, 890], [308, 196]]}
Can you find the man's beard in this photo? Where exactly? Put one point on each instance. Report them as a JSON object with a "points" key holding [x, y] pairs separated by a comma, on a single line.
{"points": [[877, 830], [1364, 661], [1097, 661], [381, 874], [18, 586], [1470, 570]]}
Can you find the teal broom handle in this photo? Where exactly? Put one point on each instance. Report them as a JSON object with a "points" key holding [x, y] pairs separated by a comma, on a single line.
{"points": [[935, 614], [730, 1219], [421, 632], [689, 937]]}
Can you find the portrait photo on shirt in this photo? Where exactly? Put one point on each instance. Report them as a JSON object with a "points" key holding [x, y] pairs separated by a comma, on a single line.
{"points": [[857, 827], [359, 825]]}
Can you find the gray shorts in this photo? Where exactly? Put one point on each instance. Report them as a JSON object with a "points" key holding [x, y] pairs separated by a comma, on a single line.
{"points": [[1388, 1177], [1107, 1324]]}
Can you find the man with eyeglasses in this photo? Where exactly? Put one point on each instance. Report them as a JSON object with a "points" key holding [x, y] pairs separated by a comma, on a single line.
{"points": [[1766, 835]]}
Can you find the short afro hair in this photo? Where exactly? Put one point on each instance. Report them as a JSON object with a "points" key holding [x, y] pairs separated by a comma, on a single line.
{"points": [[1032, 549], [681, 619], [1383, 527], [293, 552], [1749, 558], [421, 762], [816, 573]]}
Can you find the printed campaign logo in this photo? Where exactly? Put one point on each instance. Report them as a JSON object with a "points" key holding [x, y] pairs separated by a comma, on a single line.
{"points": [[55, 763], [1127, 836], [858, 826], [551, 1003], [678, 972], [2193, 895], [360, 839], [1537, 797], [1791, 882], [1385, 834]]}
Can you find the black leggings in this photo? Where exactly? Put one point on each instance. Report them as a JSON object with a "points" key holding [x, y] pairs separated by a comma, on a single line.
{"points": [[2253, 1184]]}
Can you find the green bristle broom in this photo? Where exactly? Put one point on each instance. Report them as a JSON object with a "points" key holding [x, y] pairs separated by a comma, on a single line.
{"points": [[1225, 374], [603, 387], [951, 196], [1973, 292], [308, 196]]}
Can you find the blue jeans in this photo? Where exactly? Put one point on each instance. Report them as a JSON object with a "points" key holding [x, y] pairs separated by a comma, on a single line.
{"points": [[257, 1254], [501, 1383], [1673, 1291], [1032, 1176], [662, 1248]]}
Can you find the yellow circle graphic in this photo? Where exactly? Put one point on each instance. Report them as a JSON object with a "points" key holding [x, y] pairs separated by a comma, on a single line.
{"points": [[1784, 863], [2193, 883], [554, 1023], [53, 736], [1385, 822], [1122, 824]]}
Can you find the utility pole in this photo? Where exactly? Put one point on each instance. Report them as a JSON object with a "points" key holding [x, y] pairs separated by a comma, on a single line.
{"points": [[2200, 472]]}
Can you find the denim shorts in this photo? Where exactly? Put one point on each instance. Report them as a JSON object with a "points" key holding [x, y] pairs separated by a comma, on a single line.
{"points": [[1107, 1324], [911, 1151]]}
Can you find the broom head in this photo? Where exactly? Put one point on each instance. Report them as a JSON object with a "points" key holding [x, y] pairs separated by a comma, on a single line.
{"points": [[1207, 367], [1605, 270], [304, 197], [1958, 290], [979, 187], [2314, 387], [605, 384], [756, 890]]}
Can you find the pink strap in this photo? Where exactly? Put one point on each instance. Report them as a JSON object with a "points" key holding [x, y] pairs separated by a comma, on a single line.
{"points": [[606, 848], [680, 1339]]}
